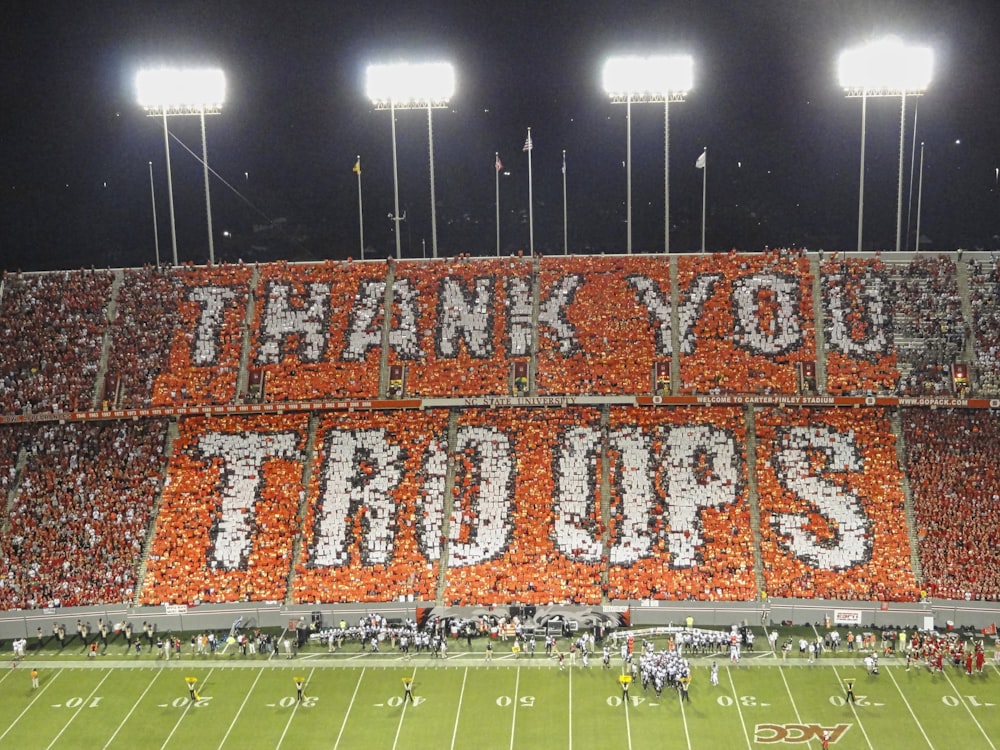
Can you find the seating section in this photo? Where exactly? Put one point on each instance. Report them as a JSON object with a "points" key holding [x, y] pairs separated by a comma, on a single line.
{"points": [[522, 521], [228, 514], [955, 481], [857, 325], [602, 322], [524, 524], [458, 324], [680, 514], [318, 330], [833, 524], [745, 322], [927, 320], [141, 335], [51, 333], [74, 529], [205, 349], [368, 512], [501, 504], [984, 299]]}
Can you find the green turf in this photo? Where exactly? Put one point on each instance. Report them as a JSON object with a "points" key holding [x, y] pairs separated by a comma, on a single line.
{"points": [[354, 700]]}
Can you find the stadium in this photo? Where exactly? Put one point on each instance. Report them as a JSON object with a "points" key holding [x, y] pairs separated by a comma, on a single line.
{"points": [[315, 462]]}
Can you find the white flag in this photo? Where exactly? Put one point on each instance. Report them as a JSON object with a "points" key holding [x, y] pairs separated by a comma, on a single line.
{"points": [[700, 164]]}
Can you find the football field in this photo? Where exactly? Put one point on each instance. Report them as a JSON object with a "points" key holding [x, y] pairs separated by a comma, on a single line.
{"points": [[356, 700]]}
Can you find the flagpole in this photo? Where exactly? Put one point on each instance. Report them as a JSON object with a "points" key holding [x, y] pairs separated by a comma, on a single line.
{"points": [[565, 223], [496, 179], [361, 211], [528, 146], [704, 193], [156, 231], [920, 195], [395, 181], [628, 174], [666, 176], [913, 159], [430, 140]]}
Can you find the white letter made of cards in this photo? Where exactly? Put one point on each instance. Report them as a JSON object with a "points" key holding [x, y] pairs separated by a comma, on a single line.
{"points": [[851, 542]]}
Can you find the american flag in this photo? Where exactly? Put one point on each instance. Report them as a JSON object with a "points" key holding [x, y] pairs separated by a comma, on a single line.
{"points": [[499, 164], [527, 144]]}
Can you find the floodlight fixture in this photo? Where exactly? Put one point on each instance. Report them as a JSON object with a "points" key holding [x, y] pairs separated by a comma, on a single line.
{"points": [[884, 68], [427, 86], [181, 91], [655, 79], [410, 85], [164, 92]]}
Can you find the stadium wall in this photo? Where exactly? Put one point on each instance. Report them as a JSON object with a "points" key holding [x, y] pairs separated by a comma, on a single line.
{"points": [[944, 614]]}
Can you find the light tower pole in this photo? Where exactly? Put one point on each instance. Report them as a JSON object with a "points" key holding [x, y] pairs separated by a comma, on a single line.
{"points": [[397, 86], [885, 68], [646, 80], [164, 92]]}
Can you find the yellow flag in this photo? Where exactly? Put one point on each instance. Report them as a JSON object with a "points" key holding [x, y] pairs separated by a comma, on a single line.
{"points": [[357, 166]]}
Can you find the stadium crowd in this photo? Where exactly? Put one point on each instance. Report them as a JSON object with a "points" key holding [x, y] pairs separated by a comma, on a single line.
{"points": [[953, 474], [372, 506], [77, 519], [51, 332], [984, 301]]}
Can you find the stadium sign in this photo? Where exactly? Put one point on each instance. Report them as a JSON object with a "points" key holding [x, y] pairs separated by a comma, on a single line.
{"points": [[847, 617]]}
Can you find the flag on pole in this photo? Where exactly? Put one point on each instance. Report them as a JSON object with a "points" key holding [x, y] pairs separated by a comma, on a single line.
{"points": [[702, 160], [528, 145], [357, 166], [499, 164]]}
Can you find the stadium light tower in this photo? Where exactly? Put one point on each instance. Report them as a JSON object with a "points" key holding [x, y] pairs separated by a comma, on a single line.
{"points": [[164, 92], [411, 86], [655, 79], [885, 67]]}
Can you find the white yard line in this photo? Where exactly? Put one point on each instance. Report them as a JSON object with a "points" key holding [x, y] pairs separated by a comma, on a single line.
{"points": [[458, 713], [184, 713], [295, 708], [28, 707], [349, 707], [402, 715], [791, 697], [908, 708], [971, 715], [739, 708], [513, 718], [687, 735], [570, 712], [854, 709], [79, 708], [245, 699], [628, 724], [134, 707]]}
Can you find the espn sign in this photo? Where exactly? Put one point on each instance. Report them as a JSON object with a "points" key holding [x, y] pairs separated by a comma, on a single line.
{"points": [[796, 733], [847, 617]]}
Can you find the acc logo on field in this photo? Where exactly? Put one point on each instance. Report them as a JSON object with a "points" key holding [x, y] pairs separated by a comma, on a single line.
{"points": [[796, 733]]}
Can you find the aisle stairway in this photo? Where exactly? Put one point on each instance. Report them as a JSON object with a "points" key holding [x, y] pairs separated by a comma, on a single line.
{"points": [[911, 522]]}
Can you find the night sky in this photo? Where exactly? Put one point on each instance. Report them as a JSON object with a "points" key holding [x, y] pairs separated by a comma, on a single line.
{"points": [[783, 141]]}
